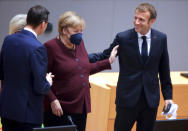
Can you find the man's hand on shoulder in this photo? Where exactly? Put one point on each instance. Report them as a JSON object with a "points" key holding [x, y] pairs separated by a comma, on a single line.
{"points": [[113, 54]]}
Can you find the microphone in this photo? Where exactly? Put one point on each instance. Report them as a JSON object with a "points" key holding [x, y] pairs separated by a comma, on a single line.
{"points": [[70, 120]]}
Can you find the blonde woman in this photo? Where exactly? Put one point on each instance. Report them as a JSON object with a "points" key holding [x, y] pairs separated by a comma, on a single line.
{"points": [[68, 61], [17, 23]]}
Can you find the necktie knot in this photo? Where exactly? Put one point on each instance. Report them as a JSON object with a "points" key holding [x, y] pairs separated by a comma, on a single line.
{"points": [[144, 37]]}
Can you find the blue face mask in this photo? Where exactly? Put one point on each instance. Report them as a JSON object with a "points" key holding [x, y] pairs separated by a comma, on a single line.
{"points": [[76, 38]]}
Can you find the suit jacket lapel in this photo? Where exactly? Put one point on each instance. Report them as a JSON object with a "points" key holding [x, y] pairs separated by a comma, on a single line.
{"points": [[134, 40], [154, 42]]}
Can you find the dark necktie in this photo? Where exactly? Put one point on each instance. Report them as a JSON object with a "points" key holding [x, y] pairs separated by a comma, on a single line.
{"points": [[144, 49]]}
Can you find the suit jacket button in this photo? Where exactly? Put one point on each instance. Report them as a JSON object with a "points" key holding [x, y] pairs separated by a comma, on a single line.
{"points": [[76, 59], [82, 76]]}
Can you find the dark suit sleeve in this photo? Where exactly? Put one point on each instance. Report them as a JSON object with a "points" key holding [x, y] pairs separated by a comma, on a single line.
{"points": [[164, 73], [93, 57], [1, 70], [99, 66], [38, 67], [2, 84], [1, 65]]}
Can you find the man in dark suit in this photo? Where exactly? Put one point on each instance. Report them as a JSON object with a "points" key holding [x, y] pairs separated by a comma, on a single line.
{"points": [[142, 56], [23, 64]]}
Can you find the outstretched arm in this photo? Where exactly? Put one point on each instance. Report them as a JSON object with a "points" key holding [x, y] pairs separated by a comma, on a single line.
{"points": [[93, 57], [104, 64]]}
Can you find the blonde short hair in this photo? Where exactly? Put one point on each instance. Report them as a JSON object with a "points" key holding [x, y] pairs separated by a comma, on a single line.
{"points": [[70, 19], [17, 23]]}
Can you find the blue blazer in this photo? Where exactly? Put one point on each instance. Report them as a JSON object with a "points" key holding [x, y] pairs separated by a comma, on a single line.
{"points": [[135, 75], [23, 64]]}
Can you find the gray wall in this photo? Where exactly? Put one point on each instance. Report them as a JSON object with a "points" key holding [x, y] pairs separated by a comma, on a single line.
{"points": [[104, 18]]}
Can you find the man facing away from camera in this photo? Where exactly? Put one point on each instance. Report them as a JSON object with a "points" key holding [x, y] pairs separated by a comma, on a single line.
{"points": [[23, 64]]}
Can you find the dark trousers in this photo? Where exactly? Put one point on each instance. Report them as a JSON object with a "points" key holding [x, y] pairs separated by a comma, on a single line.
{"points": [[78, 119], [11, 125], [141, 113]]}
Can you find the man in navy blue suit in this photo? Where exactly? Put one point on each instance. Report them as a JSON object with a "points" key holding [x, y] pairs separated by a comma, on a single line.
{"points": [[23, 64], [143, 56]]}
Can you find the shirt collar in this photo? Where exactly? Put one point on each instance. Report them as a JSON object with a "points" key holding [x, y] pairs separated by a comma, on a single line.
{"points": [[32, 31], [148, 35]]}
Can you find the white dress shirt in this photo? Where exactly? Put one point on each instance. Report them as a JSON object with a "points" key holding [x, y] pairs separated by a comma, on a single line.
{"points": [[32, 31], [148, 39]]}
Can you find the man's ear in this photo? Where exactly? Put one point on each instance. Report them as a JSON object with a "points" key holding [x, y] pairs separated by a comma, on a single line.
{"points": [[43, 24], [152, 21], [63, 31]]}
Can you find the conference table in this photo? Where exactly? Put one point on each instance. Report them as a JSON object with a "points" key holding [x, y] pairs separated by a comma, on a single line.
{"points": [[103, 92]]}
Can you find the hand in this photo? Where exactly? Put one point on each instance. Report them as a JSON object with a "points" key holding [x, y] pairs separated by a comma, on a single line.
{"points": [[113, 54], [168, 102], [56, 108], [49, 77]]}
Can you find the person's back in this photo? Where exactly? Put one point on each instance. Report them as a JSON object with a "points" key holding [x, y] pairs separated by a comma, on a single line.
{"points": [[23, 70], [16, 24], [17, 74]]}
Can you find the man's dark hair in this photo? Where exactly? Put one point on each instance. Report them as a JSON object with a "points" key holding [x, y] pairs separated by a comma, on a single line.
{"points": [[36, 15], [143, 7]]}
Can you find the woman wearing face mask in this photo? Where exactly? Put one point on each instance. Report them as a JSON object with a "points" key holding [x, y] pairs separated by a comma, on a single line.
{"points": [[68, 61]]}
